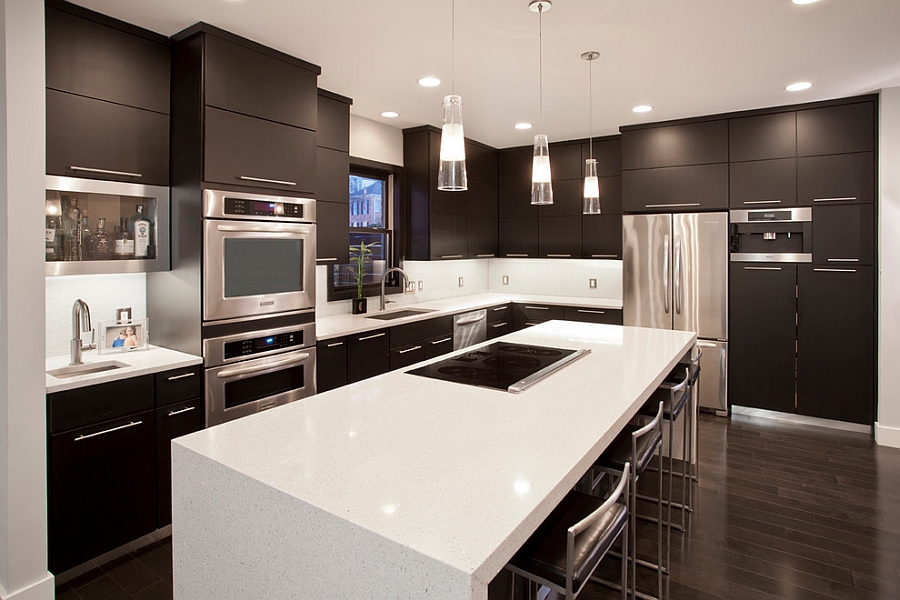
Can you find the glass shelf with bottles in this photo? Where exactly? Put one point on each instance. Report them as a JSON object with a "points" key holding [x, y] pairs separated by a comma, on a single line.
{"points": [[105, 227]]}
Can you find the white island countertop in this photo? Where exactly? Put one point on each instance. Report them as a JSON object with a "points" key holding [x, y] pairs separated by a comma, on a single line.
{"points": [[402, 486]]}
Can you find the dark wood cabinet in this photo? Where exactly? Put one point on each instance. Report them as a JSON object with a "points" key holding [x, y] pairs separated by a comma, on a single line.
{"points": [[368, 355], [333, 124], [674, 145], [519, 237], [762, 335], [526, 315], [332, 233], [679, 189], [415, 342], [332, 176], [332, 179], [107, 106], [586, 314], [843, 234], [763, 183], [762, 137], [839, 178], [499, 320], [560, 237], [514, 168], [172, 421], [601, 236], [482, 237], [836, 343], [331, 364], [839, 129]]}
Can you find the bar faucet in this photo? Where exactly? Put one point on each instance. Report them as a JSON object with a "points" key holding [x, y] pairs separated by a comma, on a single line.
{"points": [[384, 276], [81, 321]]}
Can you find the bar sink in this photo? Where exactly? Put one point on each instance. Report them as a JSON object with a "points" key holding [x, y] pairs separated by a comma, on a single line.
{"points": [[399, 314], [86, 368]]}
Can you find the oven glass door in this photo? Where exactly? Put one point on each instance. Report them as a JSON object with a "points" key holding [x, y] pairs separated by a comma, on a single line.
{"points": [[254, 268], [250, 386]]}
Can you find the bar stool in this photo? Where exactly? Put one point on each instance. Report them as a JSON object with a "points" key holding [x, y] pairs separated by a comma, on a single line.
{"points": [[567, 547], [637, 446]]}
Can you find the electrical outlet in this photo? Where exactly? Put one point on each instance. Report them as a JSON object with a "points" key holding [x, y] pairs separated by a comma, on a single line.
{"points": [[421, 285], [592, 283], [506, 280], [460, 282]]}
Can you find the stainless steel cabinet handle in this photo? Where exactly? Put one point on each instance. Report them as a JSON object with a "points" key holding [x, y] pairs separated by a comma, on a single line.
{"points": [[174, 377], [838, 199], [105, 431], [683, 204], [559, 256], [263, 180], [499, 308], [515, 255], [334, 344], [371, 337], [484, 255], [843, 260], [105, 171], [471, 320], [409, 350], [604, 255], [762, 268], [443, 341], [329, 259], [537, 307], [278, 363], [172, 413], [666, 273], [593, 312], [762, 201], [835, 270], [451, 255], [497, 325]]}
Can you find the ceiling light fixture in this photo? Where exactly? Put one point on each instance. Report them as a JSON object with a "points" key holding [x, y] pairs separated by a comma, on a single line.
{"points": [[591, 204], [452, 170], [523, 125], [429, 82], [541, 187], [642, 108], [390, 114], [804, 1], [799, 86]]}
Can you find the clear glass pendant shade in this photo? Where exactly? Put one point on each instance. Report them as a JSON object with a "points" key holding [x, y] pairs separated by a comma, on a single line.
{"points": [[452, 170], [541, 188], [591, 204]]}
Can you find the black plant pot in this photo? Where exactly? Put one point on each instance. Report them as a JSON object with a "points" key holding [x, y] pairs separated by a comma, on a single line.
{"points": [[359, 305]]}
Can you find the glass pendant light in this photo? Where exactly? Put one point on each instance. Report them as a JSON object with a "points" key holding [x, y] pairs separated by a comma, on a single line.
{"points": [[452, 169], [591, 205], [541, 186]]}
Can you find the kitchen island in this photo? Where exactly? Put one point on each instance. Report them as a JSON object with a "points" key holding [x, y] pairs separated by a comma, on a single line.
{"points": [[402, 486]]}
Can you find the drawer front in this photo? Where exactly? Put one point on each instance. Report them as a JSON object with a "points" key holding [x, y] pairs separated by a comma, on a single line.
{"points": [[499, 328], [413, 333], [438, 346], [178, 384], [525, 315], [609, 316], [495, 314], [98, 403], [172, 422], [408, 355]]}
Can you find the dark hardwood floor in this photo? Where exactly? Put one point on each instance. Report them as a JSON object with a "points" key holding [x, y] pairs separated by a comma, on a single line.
{"points": [[781, 511]]}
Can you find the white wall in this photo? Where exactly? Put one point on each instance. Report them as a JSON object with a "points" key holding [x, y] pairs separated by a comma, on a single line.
{"points": [[375, 141], [23, 478], [887, 425]]}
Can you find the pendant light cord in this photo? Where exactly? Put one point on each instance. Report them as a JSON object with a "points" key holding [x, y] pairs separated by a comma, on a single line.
{"points": [[541, 62], [453, 47], [591, 107]]}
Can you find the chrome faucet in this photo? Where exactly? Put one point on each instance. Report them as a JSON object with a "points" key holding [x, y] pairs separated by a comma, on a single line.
{"points": [[81, 321], [384, 276]]}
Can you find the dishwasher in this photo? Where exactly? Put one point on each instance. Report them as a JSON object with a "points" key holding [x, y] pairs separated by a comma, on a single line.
{"points": [[469, 328]]}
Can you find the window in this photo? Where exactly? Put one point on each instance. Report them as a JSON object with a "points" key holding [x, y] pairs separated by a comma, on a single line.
{"points": [[372, 195]]}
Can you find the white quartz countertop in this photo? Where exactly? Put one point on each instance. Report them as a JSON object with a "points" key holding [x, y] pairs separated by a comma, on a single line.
{"points": [[139, 362], [444, 478], [347, 324]]}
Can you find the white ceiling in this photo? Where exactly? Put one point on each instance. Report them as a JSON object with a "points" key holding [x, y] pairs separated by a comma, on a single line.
{"points": [[685, 58]]}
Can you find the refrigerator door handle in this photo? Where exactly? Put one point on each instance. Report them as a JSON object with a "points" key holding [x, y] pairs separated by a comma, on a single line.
{"points": [[679, 276], [666, 272]]}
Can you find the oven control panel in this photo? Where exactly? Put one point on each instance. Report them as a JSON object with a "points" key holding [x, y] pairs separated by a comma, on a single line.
{"points": [[241, 207], [263, 344]]}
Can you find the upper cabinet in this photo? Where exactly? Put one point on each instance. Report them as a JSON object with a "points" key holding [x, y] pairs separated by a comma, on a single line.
{"points": [[763, 169], [107, 98], [244, 115], [332, 179], [678, 167]]}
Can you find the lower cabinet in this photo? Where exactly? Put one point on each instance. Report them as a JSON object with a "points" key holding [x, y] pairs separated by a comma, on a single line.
{"points": [[585, 314], [526, 315], [172, 421], [499, 321], [368, 355], [415, 342], [331, 364]]}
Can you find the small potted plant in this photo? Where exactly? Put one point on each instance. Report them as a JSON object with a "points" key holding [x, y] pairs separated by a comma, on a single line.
{"points": [[358, 256]]}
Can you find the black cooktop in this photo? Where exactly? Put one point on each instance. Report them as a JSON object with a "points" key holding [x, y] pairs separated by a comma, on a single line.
{"points": [[501, 365]]}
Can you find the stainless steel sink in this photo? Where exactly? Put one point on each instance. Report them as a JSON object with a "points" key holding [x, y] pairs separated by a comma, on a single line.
{"points": [[399, 314], [86, 368]]}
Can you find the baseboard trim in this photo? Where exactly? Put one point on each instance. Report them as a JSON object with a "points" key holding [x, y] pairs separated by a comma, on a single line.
{"points": [[45, 589], [800, 419], [887, 436]]}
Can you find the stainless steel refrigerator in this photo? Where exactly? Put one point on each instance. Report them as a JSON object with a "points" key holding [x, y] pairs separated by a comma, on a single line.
{"points": [[675, 276]]}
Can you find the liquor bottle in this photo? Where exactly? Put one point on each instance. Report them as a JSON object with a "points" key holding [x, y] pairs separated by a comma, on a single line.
{"points": [[71, 221], [101, 243], [141, 230], [123, 246], [53, 238], [86, 236]]}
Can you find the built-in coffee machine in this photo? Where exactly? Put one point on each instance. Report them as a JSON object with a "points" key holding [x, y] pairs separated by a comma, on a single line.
{"points": [[771, 235]]}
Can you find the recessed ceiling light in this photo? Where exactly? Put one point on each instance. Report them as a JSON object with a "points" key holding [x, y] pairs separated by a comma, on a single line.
{"points": [[642, 108], [804, 1], [429, 82], [390, 114], [799, 86], [523, 125]]}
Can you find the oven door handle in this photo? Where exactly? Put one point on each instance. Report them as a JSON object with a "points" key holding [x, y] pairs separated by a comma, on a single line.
{"points": [[267, 228], [226, 373]]}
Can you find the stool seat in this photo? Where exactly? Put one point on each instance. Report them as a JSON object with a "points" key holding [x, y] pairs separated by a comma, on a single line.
{"points": [[619, 450], [662, 393], [544, 554]]}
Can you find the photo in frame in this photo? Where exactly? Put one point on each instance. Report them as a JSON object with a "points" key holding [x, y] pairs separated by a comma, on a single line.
{"points": [[123, 337]]}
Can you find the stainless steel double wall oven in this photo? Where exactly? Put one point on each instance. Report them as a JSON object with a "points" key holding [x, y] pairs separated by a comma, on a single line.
{"points": [[258, 302]]}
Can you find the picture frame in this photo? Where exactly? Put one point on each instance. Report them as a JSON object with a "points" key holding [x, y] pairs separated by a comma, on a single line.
{"points": [[116, 337]]}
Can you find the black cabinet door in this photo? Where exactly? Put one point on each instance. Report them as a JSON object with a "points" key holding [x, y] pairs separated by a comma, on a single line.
{"points": [[500, 328], [407, 355], [172, 422], [439, 345], [482, 239], [611, 195], [762, 335], [762, 137], [242, 80], [675, 145], [106, 140], [844, 234], [333, 125], [178, 385], [560, 237], [331, 364], [836, 343], [242, 150], [367, 355], [481, 163], [332, 175], [607, 153], [515, 183], [763, 183], [608, 316], [481, 200], [568, 198], [836, 129], [525, 315], [332, 233], [680, 189], [449, 236], [102, 488], [601, 236], [519, 237], [565, 161], [841, 178]]}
